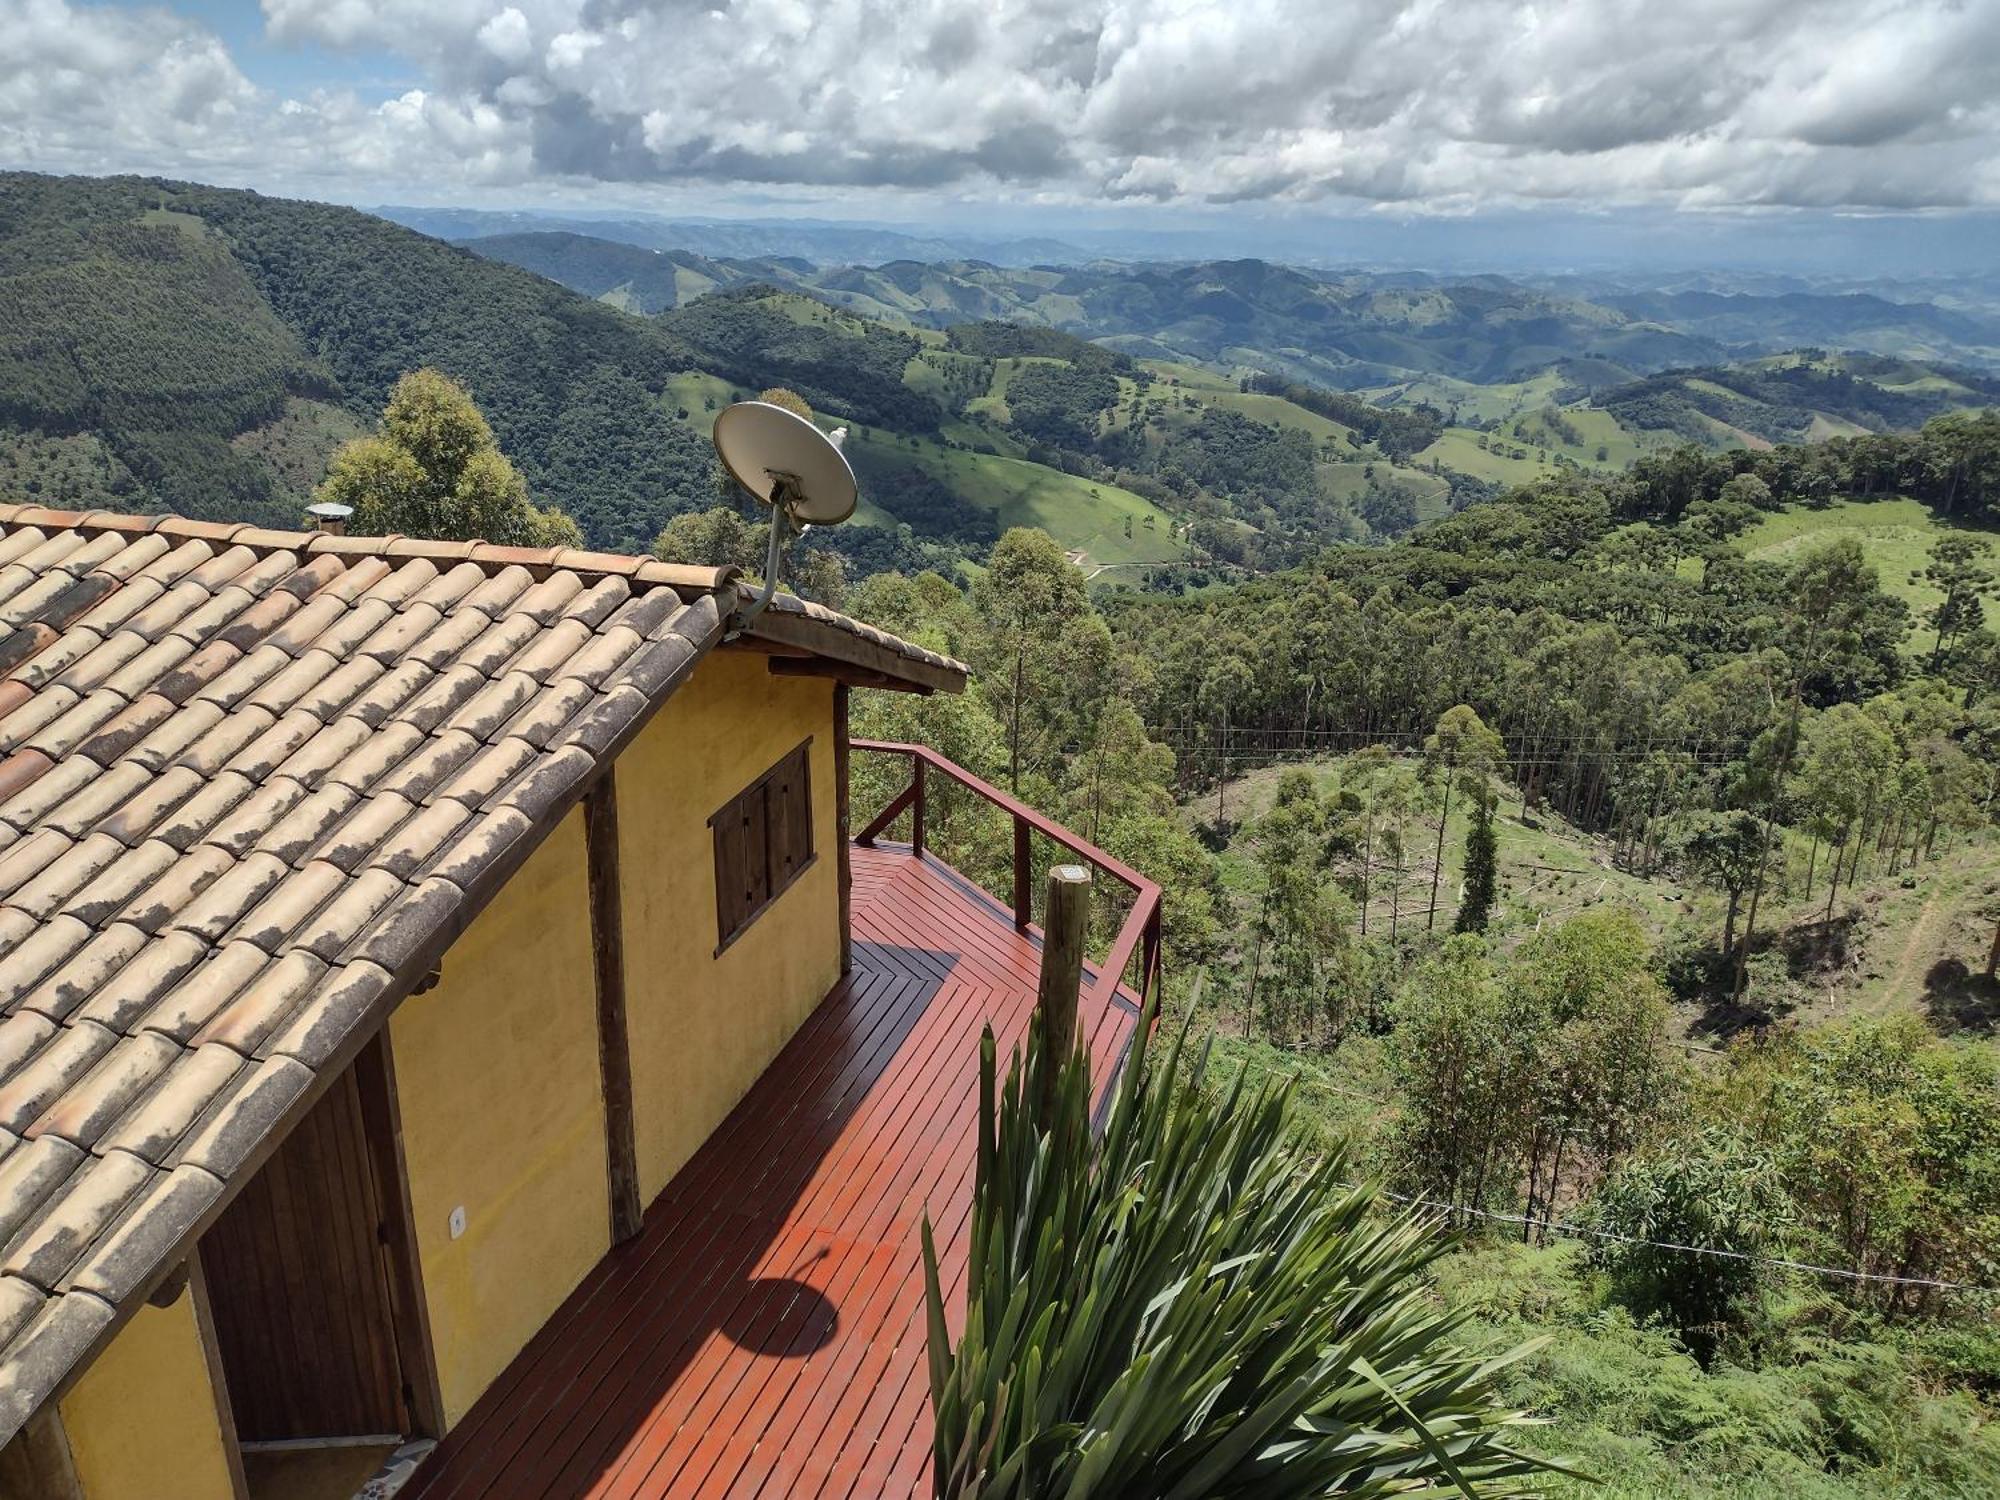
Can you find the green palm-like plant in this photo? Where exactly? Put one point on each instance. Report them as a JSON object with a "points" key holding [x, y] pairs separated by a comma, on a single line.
{"points": [[1190, 1306]]}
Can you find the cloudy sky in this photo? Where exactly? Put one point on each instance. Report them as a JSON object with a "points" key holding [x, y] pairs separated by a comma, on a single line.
{"points": [[933, 109]]}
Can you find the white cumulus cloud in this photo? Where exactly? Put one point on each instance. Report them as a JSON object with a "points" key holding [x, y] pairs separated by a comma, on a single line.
{"points": [[1434, 104]]}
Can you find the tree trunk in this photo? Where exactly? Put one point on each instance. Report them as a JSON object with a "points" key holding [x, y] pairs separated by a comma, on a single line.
{"points": [[1437, 869], [1014, 724], [1256, 966], [1812, 862], [1367, 866]]}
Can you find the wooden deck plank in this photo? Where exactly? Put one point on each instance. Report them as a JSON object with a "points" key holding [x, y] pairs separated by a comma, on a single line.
{"points": [[775, 1347]]}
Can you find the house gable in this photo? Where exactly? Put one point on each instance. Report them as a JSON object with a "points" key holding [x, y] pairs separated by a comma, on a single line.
{"points": [[253, 784]]}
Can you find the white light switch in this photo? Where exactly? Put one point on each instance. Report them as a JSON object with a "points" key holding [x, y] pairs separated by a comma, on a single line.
{"points": [[458, 1221]]}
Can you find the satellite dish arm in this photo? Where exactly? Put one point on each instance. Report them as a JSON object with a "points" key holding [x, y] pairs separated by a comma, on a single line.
{"points": [[774, 556]]}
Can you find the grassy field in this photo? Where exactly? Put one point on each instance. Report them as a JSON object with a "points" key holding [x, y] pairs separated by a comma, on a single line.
{"points": [[1213, 388], [1896, 534], [1084, 515], [1469, 402], [1458, 448], [1347, 480]]}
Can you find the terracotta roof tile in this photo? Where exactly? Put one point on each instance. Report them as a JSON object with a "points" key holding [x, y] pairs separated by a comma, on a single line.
{"points": [[247, 823], [161, 1117], [192, 1003], [58, 1237], [144, 1235], [29, 858], [84, 1112], [223, 904], [227, 746], [262, 1007], [185, 879], [86, 971], [69, 1053], [348, 846], [34, 715], [175, 735], [30, 1177], [418, 776], [140, 985], [416, 840], [127, 875], [44, 895], [344, 1002], [128, 728], [290, 903], [80, 658], [21, 642], [252, 783], [499, 591], [308, 822]]}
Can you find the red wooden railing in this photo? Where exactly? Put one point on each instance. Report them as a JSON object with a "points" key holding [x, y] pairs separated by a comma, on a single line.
{"points": [[1139, 934]]}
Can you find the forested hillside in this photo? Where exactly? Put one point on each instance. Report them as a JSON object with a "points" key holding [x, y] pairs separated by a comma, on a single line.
{"points": [[1611, 865], [208, 350], [216, 346]]}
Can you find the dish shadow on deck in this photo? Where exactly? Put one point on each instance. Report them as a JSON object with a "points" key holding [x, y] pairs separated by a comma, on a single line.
{"points": [[764, 1333]]}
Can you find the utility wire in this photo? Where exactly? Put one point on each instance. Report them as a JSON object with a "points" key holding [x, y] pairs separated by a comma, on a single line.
{"points": [[1584, 1231]]}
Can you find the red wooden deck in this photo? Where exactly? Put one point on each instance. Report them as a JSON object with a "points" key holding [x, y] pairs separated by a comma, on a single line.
{"points": [[764, 1334]]}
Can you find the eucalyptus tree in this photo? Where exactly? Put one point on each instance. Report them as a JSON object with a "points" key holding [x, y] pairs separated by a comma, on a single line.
{"points": [[1028, 595]]}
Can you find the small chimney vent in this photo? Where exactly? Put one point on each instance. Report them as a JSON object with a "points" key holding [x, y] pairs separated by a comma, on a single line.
{"points": [[330, 518]]}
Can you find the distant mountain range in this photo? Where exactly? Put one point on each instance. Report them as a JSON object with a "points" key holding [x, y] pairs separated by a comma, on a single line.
{"points": [[1346, 329], [820, 242], [168, 345]]}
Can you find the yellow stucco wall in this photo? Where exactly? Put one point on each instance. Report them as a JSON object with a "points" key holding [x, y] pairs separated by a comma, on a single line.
{"points": [[703, 1026], [503, 1113], [143, 1422]]}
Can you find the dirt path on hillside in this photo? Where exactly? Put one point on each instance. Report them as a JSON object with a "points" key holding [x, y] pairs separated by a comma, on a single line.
{"points": [[1904, 982]]}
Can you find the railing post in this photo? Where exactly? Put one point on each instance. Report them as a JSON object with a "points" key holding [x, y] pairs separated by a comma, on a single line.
{"points": [[1149, 958], [1065, 922], [917, 808], [1024, 890]]}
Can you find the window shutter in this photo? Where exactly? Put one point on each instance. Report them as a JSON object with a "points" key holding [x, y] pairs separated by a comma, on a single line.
{"points": [[763, 842]]}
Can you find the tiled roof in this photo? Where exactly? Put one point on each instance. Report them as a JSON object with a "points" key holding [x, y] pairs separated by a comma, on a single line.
{"points": [[252, 783]]}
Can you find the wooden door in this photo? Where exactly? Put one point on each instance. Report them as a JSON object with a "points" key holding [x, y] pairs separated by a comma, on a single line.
{"points": [[298, 1276]]}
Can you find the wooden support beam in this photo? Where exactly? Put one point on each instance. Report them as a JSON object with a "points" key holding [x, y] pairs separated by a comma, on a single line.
{"points": [[168, 1292], [845, 877], [218, 1382], [37, 1465], [382, 1124], [784, 627], [1024, 880], [843, 672], [614, 1047], [1065, 924]]}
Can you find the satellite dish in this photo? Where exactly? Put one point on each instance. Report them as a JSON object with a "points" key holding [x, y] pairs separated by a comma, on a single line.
{"points": [[789, 465], [786, 462]]}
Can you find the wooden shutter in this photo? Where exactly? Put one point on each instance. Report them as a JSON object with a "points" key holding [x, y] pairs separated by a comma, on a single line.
{"points": [[763, 842]]}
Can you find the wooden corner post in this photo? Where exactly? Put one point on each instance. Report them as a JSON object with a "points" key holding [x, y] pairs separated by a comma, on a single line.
{"points": [[842, 831], [614, 1046], [1065, 923]]}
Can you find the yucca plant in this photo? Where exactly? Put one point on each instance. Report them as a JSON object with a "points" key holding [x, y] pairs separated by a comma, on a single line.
{"points": [[1190, 1305]]}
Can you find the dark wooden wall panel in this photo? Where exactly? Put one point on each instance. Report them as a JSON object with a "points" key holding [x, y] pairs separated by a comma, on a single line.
{"points": [[299, 1286]]}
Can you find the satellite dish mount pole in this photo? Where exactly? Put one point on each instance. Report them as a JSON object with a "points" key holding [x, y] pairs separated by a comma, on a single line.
{"points": [[784, 494]]}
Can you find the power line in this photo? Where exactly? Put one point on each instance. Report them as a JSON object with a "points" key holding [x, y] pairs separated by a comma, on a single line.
{"points": [[1578, 1231], [1584, 1231]]}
